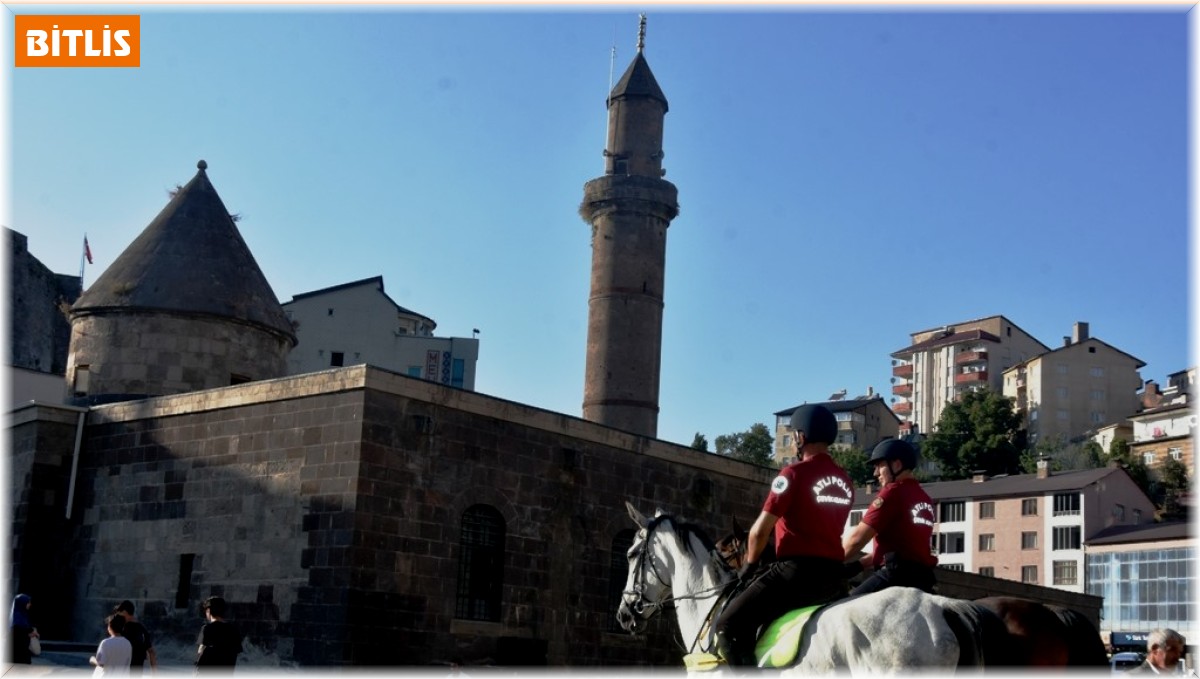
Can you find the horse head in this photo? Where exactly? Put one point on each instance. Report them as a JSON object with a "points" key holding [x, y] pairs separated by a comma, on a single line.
{"points": [[670, 562], [648, 583]]}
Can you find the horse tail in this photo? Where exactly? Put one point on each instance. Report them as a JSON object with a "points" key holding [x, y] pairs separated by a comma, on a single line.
{"points": [[982, 635], [1084, 648]]}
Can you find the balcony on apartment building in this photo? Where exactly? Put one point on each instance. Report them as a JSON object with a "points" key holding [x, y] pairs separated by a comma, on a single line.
{"points": [[904, 371], [904, 390], [970, 378], [965, 357], [902, 408]]}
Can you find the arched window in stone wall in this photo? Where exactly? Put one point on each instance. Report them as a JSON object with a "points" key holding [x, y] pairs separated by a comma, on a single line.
{"points": [[480, 564], [618, 572]]}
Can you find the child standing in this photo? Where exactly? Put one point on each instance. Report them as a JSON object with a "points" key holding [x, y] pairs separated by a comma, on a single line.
{"points": [[114, 653]]}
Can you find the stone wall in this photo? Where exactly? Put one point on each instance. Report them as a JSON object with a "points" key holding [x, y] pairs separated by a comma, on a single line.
{"points": [[38, 332], [132, 354], [327, 509]]}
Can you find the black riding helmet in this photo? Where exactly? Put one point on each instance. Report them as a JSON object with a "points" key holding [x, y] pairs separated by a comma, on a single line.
{"points": [[818, 424], [894, 449]]}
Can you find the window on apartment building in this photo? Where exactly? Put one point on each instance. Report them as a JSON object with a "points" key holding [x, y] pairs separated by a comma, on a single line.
{"points": [[1062, 415], [337, 358], [1029, 574], [330, 313], [987, 542], [951, 543], [856, 517], [1096, 371], [952, 511], [1062, 368], [480, 564], [1097, 416], [987, 571], [1137, 516], [1175, 453], [414, 371], [1029, 507], [953, 566], [1148, 458], [1029, 539], [1033, 414], [987, 510], [1062, 392], [1066, 504], [1119, 512], [1097, 394], [1066, 537], [457, 372], [618, 567], [1091, 350], [83, 380], [1066, 573]]}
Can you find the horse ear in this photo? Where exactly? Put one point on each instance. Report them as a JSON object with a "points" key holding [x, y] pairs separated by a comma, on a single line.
{"points": [[635, 515]]}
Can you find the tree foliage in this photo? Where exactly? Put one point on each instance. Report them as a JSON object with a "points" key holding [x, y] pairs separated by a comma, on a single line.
{"points": [[1120, 454], [1174, 485], [754, 445], [977, 432], [854, 460], [699, 442], [1063, 456]]}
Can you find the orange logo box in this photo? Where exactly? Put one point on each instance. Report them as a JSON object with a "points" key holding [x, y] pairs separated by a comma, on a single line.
{"points": [[78, 40]]}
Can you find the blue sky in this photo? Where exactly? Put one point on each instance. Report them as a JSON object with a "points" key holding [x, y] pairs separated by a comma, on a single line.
{"points": [[846, 177]]}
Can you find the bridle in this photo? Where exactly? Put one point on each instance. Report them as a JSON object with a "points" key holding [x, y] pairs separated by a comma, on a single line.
{"points": [[636, 598]]}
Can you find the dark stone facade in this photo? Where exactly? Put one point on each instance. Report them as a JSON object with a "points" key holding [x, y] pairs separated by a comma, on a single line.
{"points": [[327, 509], [38, 333]]}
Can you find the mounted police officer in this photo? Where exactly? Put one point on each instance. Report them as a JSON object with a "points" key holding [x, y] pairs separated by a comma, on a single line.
{"points": [[806, 511], [900, 519]]}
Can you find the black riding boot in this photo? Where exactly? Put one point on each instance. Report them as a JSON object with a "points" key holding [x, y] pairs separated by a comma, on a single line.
{"points": [[731, 654]]}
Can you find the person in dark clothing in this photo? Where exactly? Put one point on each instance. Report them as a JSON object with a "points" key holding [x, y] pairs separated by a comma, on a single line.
{"points": [[21, 630], [900, 520], [139, 638], [220, 642]]}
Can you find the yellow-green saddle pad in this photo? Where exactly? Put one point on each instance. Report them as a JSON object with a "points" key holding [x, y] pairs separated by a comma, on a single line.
{"points": [[780, 642]]}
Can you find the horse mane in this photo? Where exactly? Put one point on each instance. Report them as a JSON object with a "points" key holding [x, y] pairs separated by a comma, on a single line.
{"points": [[685, 530], [1084, 648]]}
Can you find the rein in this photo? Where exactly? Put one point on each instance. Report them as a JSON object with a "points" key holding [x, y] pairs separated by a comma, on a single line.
{"points": [[640, 603]]}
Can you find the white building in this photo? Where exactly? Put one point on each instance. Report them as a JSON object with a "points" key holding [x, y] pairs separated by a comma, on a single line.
{"points": [[357, 323]]}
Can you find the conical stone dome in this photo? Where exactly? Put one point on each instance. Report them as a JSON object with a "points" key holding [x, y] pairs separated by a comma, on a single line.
{"points": [[184, 307]]}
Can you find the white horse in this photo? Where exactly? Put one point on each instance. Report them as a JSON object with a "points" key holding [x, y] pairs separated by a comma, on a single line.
{"points": [[897, 630]]}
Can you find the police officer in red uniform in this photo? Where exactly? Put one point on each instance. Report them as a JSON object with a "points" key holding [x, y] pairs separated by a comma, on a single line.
{"points": [[900, 520], [806, 511]]}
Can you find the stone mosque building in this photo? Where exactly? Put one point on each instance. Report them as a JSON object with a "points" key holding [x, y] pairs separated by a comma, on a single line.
{"points": [[356, 516]]}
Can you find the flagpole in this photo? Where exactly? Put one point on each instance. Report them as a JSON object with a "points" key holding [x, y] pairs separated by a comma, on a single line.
{"points": [[82, 260]]}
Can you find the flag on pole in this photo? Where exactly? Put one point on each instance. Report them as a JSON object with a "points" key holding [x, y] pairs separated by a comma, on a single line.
{"points": [[87, 251]]}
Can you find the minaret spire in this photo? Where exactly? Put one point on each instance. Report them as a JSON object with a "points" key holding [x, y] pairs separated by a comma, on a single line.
{"points": [[641, 32]]}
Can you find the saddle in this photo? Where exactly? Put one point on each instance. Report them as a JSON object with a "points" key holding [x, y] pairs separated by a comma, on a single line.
{"points": [[778, 644]]}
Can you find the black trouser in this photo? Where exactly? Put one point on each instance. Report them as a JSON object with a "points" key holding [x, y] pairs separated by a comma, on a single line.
{"points": [[897, 573], [781, 587]]}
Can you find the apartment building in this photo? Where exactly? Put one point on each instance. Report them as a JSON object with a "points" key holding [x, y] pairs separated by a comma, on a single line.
{"points": [[862, 422], [1146, 575], [358, 322], [1070, 392], [1027, 527], [1166, 426], [941, 363]]}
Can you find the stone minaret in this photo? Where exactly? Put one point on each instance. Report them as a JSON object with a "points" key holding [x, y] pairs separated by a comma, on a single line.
{"points": [[184, 307], [629, 208]]}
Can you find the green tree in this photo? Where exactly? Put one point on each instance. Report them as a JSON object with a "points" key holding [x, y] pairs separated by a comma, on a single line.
{"points": [[854, 460], [1121, 455], [754, 446], [1063, 456], [978, 431], [699, 442], [1174, 485]]}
